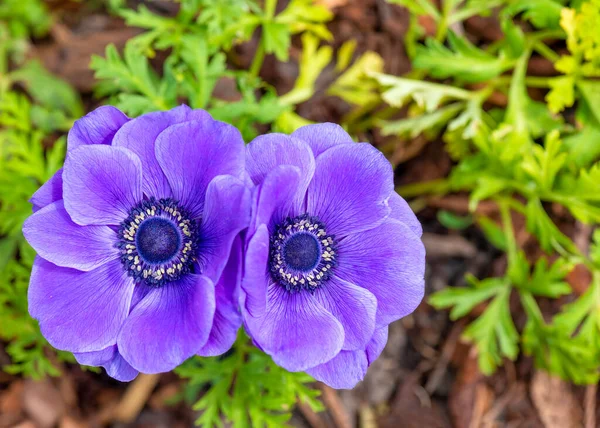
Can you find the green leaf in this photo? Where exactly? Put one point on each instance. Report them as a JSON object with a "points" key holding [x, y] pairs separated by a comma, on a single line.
{"points": [[414, 126], [543, 164], [492, 232], [276, 39], [354, 86], [462, 60], [463, 300], [541, 13], [494, 334], [426, 94], [590, 91], [548, 281], [539, 224], [246, 388], [453, 221]]}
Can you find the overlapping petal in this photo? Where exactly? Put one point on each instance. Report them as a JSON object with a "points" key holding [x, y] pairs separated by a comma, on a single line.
{"points": [[191, 154], [101, 184], [350, 189], [170, 324], [389, 261], [112, 361], [51, 191], [322, 136], [79, 311], [97, 127], [81, 247], [139, 135], [226, 213], [297, 331], [228, 318]]}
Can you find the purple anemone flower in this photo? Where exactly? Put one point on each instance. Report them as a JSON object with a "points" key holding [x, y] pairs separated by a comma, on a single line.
{"points": [[333, 254], [139, 257]]}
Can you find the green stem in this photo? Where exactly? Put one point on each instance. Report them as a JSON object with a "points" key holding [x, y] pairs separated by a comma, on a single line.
{"points": [[545, 51], [507, 227], [259, 55], [443, 23]]}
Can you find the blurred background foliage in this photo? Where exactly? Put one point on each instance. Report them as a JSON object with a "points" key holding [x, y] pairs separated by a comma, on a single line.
{"points": [[528, 144]]}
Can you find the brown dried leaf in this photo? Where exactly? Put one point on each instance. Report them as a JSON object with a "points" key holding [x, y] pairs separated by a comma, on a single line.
{"points": [[555, 402]]}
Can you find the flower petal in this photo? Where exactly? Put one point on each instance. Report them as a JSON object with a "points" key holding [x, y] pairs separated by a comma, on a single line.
{"points": [[296, 330], [348, 368], [79, 311], [55, 237], [109, 358], [101, 184], [377, 343], [50, 191], [354, 307], [96, 127], [344, 371], [267, 152], [226, 214], [322, 136], [169, 325], [389, 261], [350, 188], [274, 197], [401, 211], [191, 154], [227, 319], [256, 277], [139, 135]]}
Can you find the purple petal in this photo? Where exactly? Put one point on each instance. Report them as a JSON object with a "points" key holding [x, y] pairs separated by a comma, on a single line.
{"points": [[389, 261], [101, 184], [344, 371], [139, 135], [254, 283], [79, 311], [401, 211], [227, 319], [322, 136], [296, 330], [191, 154], [55, 237], [354, 307], [274, 197], [226, 214], [96, 127], [169, 325], [51, 191], [109, 358], [377, 343], [267, 152], [350, 188], [348, 368]]}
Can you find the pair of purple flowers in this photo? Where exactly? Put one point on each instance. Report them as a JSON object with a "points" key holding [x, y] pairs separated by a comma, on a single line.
{"points": [[163, 234]]}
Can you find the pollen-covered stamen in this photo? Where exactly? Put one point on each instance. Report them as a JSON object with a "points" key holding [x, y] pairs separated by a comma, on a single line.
{"points": [[158, 242], [302, 254]]}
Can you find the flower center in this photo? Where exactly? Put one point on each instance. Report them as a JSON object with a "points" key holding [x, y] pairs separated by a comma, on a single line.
{"points": [[158, 242], [302, 254]]}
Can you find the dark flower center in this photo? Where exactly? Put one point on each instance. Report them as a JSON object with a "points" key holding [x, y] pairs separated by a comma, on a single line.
{"points": [[302, 254], [158, 242]]}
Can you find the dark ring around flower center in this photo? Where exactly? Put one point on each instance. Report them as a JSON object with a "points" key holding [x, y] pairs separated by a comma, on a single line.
{"points": [[301, 253], [158, 242]]}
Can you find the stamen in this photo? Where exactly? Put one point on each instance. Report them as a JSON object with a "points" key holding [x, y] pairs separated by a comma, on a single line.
{"points": [[302, 254], [158, 242]]}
